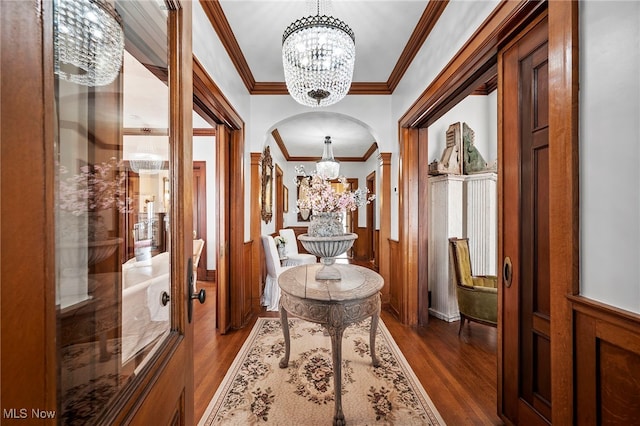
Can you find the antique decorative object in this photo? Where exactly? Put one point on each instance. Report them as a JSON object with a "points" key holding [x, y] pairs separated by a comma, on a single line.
{"points": [[472, 159], [451, 159]]}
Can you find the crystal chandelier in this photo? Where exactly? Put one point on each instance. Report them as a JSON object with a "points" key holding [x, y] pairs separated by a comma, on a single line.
{"points": [[328, 166], [318, 54], [147, 158], [88, 41]]}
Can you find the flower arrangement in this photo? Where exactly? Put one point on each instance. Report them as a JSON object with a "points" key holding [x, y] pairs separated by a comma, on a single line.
{"points": [[322, 197], [280, 240], [97, 187]]}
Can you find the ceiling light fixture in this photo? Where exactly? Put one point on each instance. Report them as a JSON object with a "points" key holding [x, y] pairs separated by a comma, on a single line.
{"points": [[328, 166], [88, 41], [146, 159], [318, 54]]}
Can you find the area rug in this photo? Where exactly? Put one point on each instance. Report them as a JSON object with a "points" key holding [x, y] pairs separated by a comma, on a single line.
{"points": [[257, 391]]}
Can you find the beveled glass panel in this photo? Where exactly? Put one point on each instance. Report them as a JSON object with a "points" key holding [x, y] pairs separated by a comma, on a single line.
{"points": [[112, 200]]}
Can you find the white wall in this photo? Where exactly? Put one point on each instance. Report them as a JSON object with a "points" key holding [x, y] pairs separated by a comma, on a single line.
{"points": [[204, 149], [610, 152]]}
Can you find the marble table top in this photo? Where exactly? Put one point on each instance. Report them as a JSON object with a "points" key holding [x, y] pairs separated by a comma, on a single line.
{"points": [[357, 283]]}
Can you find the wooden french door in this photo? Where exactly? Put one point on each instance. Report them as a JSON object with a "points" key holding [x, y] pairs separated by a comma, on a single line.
{"points": [[63, 317], [525, 352]]}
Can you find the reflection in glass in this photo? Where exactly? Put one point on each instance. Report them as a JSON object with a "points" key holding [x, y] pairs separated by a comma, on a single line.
{"points": [[112, 222]]}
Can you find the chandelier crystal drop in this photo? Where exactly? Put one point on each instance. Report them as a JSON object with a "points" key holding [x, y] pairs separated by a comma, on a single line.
{"points": [[88, 41], [328, 166], [318, 55]]}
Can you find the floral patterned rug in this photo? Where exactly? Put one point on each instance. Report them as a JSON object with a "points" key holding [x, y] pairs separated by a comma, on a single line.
{"points": [[257, 391]]}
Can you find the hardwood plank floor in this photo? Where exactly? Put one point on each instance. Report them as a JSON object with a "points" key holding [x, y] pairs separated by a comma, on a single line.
{"points": [[458, 372]]}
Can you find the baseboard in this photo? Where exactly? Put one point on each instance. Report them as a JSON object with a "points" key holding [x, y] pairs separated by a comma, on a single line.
{"points": [[444, 317]]}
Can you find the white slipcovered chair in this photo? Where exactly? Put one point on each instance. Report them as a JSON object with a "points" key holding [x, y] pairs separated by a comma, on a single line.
{"points": [[271, 293], [291, 250]]}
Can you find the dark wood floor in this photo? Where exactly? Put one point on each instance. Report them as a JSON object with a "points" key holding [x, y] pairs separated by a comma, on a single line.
{"points": [[458, 372]]}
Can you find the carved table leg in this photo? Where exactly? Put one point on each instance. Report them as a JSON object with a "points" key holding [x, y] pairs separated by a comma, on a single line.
{"points": [[336, 349], [284, 322], [372, 340], [372, 336]]}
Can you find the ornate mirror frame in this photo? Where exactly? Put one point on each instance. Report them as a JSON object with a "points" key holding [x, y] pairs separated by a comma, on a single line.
{"points": [[266, 195]]}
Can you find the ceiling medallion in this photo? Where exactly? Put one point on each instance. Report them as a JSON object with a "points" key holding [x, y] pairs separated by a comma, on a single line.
{"points": [[318, 54]]}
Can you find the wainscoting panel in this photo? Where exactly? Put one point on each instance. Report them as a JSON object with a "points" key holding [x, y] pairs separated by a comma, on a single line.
{"points": [[395, 286], [607, 364]]}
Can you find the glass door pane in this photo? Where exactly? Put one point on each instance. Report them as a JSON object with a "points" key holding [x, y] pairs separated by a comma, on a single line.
{"points": [[112, 201]]}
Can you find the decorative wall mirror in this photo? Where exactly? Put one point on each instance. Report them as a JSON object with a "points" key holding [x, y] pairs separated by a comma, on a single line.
{"points": [[266, 198]]}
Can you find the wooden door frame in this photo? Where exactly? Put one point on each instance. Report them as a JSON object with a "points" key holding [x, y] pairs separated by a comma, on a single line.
{"points": [[210, 102], [28, 312], [452, 84], [201, 166]]}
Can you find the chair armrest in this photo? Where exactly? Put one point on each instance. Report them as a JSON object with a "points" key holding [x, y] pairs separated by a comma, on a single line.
{"points": [[489, 281]]}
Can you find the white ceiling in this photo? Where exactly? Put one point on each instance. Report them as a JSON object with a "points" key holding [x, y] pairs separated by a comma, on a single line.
{"points": [[382, 29]]}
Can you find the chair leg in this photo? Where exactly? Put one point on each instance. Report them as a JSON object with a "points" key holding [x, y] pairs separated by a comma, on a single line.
{"points": [[462, 319]]}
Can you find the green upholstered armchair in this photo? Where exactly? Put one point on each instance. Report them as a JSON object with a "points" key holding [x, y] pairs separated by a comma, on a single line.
{"points": [[477, 295]]}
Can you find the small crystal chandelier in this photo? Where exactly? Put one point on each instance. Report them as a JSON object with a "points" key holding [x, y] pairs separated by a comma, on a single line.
{"points": [[88, 41], [328, 166], [146, 159], [318, 54]]}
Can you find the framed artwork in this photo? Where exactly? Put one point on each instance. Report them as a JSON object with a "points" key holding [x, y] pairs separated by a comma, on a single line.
{"points": [[285, 199]]}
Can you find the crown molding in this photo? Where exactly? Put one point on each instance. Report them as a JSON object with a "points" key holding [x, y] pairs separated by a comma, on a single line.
{"points": [[423, 28], [225, 33], [285, 153]]}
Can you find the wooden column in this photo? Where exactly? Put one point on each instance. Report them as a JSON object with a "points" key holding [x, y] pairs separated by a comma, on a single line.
{"points": [[384, 208], [256, 250]]}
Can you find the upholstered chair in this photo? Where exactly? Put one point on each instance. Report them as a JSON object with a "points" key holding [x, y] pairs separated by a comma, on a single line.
{"points": [[291, 250], [477, 294], [271, 293]]}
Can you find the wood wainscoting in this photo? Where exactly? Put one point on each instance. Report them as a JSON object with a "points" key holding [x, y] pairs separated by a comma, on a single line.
{"points": [[394, 286], [607, 362]]}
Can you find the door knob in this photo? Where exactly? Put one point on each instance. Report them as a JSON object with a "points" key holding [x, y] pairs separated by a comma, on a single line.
{"points": [[507, 272], [165, 298]]}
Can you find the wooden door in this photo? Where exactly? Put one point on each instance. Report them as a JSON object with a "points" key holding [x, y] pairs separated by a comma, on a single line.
{"points": [[49, 123], [524, 355], [200, 212], [223, 150]]}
